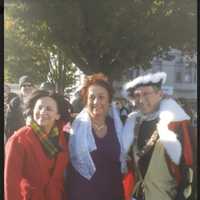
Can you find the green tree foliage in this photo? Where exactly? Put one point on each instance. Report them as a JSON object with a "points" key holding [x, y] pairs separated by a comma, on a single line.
{"points": [[22, 54], [110, 36], [29, 50]]}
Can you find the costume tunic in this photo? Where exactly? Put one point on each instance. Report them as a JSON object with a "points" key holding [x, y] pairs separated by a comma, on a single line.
{"points": [[164, 174], [153, 167], [29, 173], [106, 183]]}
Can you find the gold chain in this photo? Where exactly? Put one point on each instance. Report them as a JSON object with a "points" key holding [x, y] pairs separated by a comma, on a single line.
{"points": [[98, 128]]}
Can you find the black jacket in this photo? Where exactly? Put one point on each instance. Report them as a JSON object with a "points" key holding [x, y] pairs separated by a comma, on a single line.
{"points": [[14, 118]]}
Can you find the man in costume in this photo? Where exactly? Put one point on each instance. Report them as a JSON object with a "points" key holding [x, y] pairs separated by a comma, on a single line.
{"points": [[157, 142]]}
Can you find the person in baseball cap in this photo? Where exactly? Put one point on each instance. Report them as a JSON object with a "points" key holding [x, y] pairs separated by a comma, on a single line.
{"points": [[157, 136], [15, 117], [26, 85], [24, 79]]}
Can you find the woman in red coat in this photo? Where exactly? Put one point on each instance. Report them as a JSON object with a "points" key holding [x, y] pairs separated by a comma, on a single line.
{"points": [[36, 154]]}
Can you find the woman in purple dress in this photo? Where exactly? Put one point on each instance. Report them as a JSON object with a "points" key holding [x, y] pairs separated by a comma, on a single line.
{"points": [[95, 169]]}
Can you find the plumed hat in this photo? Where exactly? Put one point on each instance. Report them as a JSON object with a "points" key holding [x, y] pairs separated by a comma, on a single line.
{"points": [[151, 79]]}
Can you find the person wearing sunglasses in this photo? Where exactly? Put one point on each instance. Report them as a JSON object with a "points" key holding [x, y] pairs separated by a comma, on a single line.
{"points": [[15, 116]]}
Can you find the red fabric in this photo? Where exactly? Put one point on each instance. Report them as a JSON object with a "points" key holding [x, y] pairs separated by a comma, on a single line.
{"points": [[128, 183], [187, 150], [186, 146], [27, 168]]}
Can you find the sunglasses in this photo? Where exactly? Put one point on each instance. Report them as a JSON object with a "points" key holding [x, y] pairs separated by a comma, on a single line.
{"points": [[27, 85]]}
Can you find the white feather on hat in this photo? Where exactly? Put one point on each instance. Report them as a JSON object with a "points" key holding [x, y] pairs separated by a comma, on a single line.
{"points": [[144, 80]]}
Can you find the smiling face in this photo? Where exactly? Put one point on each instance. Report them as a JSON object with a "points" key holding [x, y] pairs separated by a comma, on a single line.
{"points": [[97, 101], [147, 98], [45, 113]]}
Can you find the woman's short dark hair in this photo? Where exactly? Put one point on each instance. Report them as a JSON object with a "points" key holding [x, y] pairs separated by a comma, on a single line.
{"points": [[96, 79], [59, 99]]}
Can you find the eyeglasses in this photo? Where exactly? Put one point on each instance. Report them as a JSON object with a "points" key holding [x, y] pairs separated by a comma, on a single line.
{"points": [[27, 85], [142, 94]]}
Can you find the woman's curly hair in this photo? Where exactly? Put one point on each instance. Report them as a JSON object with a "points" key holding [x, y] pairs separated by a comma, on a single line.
{"points": [[59, 99], [96, 79]]}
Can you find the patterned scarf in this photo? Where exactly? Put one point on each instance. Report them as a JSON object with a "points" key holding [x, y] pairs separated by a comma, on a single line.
{"points": [[49, 141]]}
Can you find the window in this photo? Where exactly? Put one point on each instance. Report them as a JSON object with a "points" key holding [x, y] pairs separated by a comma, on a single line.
{"points": [[188, 74], [178, 77]]}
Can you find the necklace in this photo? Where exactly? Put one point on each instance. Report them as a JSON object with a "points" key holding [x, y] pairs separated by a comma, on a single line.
{"points": [[98, 128]]}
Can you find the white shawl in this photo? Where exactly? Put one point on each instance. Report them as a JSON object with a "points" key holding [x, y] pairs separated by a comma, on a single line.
{"points": [[82, 142]]}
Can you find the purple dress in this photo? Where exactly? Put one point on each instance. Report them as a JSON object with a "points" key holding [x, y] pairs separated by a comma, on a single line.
{"points": [[106, 183]]}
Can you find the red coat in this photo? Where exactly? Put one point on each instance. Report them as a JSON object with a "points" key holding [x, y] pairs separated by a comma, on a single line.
{"points": [[27, 168]]}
